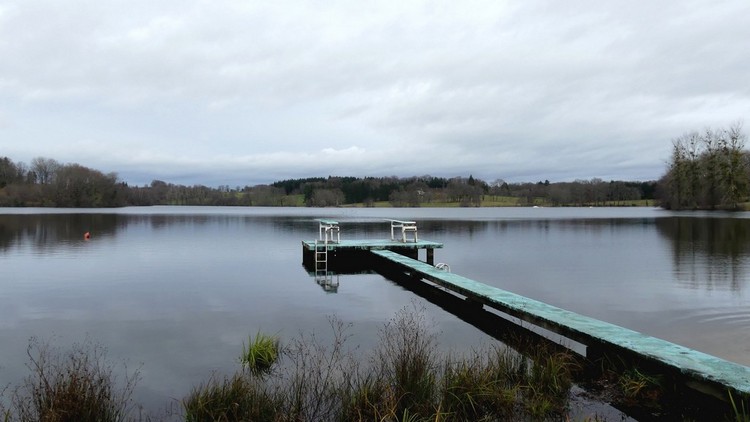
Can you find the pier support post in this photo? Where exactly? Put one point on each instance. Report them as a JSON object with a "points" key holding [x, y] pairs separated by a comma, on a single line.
{"points": [[408, 252], [431, 256], [307, 256]]}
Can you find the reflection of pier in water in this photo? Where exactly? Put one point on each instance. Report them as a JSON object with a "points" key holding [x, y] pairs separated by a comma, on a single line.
{"points": [[690, 372]]}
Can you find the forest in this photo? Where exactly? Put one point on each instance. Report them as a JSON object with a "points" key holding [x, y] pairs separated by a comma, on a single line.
{"points": [[48, 183], [707, 170]]}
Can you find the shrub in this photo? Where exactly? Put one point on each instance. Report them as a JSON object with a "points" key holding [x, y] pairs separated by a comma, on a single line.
{"points": [[474, 389], [319, 376], [76, 385], [369, 399], [548, 383], [237, 398], [407, 360]]}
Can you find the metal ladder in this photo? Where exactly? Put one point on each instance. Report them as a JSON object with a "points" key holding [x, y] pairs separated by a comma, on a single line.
{"points": [[328, 231], [321, 257], [326, 280]]}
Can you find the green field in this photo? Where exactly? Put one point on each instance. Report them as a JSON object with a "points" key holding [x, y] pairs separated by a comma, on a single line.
{"points": [[509, 201]]}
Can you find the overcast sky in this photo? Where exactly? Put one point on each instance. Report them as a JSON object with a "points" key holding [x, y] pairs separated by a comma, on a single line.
{"points": [[240, 92]]}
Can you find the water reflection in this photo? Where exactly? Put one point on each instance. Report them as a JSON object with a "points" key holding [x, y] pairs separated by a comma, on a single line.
{"points": [[328, 281], [43, 232], [180, 288], [708, 253]]}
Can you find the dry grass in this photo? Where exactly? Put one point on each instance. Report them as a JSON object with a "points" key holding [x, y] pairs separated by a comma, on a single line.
{"points": [[235, 398], [74, 385], [407, 379]]}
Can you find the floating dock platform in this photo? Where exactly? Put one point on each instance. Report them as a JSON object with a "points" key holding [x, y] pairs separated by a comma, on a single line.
{"points": [[698, 371], [329, 252], [343, 247]]}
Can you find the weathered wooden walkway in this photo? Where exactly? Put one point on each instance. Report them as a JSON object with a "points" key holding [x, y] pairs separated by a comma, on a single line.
{"points": [[704, 372], [699, 371]]}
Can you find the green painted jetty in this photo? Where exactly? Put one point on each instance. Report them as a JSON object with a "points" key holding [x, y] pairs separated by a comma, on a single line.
{"points": [[700, 371], [697, 370]]}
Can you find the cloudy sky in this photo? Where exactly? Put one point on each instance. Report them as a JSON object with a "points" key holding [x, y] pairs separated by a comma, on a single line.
{"points": [[243, 92]]}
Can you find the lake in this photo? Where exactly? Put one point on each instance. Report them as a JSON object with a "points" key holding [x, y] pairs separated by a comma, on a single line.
{"points": [[177, 290]]}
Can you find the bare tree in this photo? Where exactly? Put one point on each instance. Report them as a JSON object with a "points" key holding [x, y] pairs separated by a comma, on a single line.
{"points": [[734, 177], [44, 169], [707, 170], [327, 198]]}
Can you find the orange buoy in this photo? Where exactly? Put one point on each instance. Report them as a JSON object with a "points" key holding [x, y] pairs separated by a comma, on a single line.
{"points": [[87, 235]]}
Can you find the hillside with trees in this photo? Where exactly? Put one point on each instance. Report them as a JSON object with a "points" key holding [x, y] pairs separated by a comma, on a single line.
{"points": [[48, 183], [707, 170]]}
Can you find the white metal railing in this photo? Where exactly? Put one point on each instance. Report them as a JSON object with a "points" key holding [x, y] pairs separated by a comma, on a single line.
{"points": [[405, 227], [443, 267], [329, 231]]}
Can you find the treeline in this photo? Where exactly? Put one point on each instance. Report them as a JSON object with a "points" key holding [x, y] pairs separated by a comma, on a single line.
{"points": [[426, 190], [48, 183], [707, 170]]}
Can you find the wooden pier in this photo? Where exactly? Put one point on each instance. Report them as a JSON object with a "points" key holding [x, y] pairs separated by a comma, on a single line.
{"points": [[685, 367]]}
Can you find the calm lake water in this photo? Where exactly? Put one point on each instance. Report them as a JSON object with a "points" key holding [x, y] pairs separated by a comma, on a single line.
{"points": [[177, 290]]}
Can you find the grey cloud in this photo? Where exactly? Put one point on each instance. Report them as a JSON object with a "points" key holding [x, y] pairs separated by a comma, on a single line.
{"points": [[212, 91]]}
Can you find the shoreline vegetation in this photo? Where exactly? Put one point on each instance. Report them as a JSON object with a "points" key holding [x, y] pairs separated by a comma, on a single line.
{"points": [[404, 378], [48, 183], [707, 170]]}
